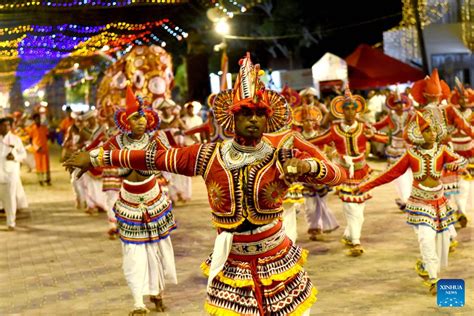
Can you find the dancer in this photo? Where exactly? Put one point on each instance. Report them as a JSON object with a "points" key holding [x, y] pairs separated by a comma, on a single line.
{"points": [[429, 93], [318, 214], [143, 212], [350, 137], [72, 143], [92, 183], [173, 126], [111, 181], [463, 99], [427, 208], [396, 121], [255, 268], [285, 138]]}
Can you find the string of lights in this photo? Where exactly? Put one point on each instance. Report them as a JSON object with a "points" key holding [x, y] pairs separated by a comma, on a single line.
{"points": [[66, 38], [21, 4]]}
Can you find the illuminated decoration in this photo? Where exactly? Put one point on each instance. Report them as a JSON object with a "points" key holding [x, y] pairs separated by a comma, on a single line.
{"points": [[401, 42], [467, 14], [230, 8], [110, 37], [42, 47], [20, 4], [148, 69], [10, 48]]}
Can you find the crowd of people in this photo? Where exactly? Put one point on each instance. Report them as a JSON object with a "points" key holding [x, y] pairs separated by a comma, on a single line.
{"points": [[264, 156]]}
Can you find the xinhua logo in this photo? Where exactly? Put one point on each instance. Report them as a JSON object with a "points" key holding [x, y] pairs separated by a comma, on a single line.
{"points": [[451, 293]]}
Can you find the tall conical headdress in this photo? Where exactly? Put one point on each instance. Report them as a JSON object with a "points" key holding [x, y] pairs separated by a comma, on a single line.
{"points": [[135, 104], [430, 86]]}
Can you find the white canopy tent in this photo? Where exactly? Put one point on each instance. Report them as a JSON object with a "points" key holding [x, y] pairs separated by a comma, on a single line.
{"points": [[330, 67]]}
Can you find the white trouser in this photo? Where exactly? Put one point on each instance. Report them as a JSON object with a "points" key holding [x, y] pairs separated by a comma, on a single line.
{"points": [[452, 232], [434, 249], [181, 185], [289, 220], [146, 268], [461, 199], [21, 200], [111, 197], [78, 186], [29, 161], [93, 193], [318, 214], [403, 185], [8, 198], [313, 212], [354, 213]]}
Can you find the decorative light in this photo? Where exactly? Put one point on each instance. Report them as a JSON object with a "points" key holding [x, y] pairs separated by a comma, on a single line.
{"points": [[222, 27], [401, 42], [53, 43], [20, 4]]}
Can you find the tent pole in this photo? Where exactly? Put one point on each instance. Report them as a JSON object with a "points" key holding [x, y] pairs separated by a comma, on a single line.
{"points": [[421, 39]]}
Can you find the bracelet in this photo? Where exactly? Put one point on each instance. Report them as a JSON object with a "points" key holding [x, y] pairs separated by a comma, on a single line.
{"points": [[97, 157], [317, 168], [314, 165]]}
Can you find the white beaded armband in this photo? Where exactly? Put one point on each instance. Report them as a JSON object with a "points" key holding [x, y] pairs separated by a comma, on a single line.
{"points": [[316, 167], [97, 157]]}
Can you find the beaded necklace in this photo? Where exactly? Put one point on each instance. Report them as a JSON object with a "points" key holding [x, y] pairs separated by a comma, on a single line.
{"points": [[236, 156]]}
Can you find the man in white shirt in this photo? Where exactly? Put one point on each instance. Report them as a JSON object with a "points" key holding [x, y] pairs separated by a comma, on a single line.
{"points": [[11, 153], [190, 119]]}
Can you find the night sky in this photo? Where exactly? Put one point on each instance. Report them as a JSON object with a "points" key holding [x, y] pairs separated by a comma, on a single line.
{"points": [[338, 26]]}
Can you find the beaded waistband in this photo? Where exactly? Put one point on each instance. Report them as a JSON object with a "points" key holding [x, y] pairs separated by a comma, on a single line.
{"points": [[140, 192], [255, 244]]}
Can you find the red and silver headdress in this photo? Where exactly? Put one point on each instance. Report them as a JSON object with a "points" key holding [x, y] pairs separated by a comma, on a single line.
{"points": [[398, 98], [460, 92], [250, 92], [135, 105], [430, 86]]}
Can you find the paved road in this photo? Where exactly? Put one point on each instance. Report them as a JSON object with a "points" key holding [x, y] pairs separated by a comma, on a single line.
{"points": [[60, 262]]}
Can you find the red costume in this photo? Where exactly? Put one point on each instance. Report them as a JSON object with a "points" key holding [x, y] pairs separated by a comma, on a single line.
{"points": [[427, 208], [248, 268], [351, 145]]}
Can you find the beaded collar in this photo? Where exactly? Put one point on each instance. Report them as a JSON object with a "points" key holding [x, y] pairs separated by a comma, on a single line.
{"points": [[427, 161], [399, 121], [309, 135], [236, 156], [126, 142], [168, 120], [348, 128]]}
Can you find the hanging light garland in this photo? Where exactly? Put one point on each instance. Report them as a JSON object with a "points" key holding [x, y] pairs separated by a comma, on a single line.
{"points": [[60, 40], [401, 42], [39, 48], [21, 4], [10, 48]]}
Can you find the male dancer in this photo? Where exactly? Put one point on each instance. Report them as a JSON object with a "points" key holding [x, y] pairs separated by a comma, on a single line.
{"points": [[427, 209], [350, 138], [463, 100], [255, 268], [143, 212], [396, 120]]}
